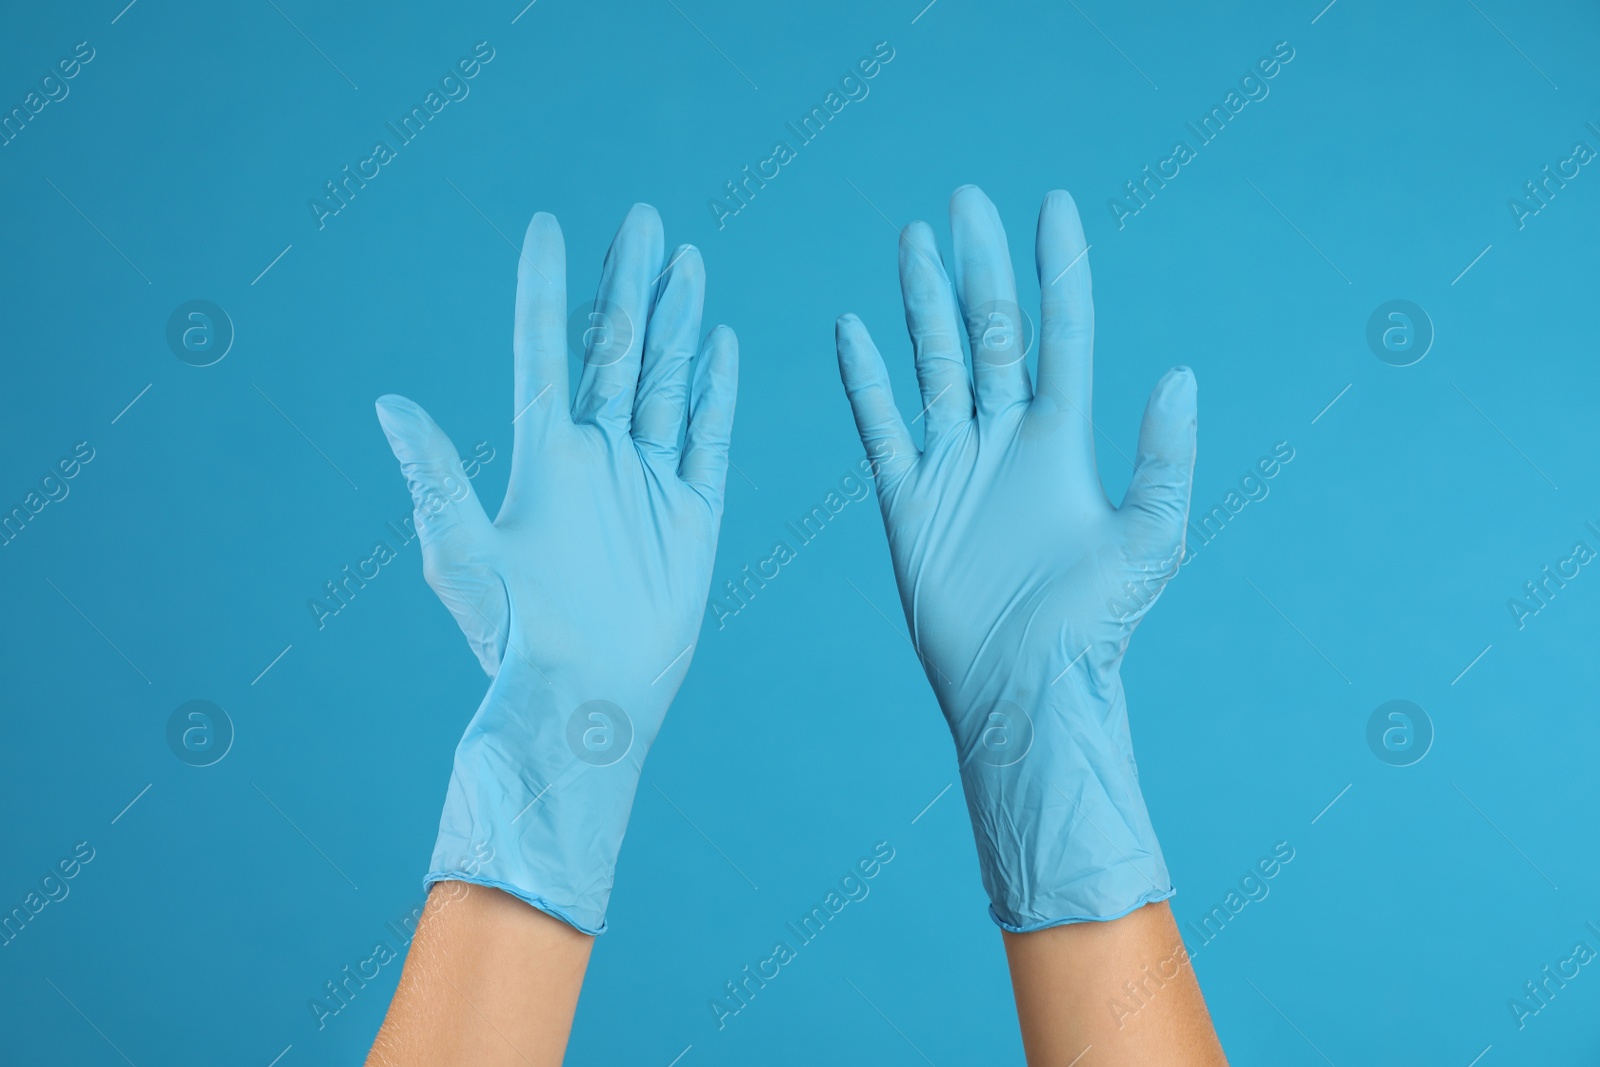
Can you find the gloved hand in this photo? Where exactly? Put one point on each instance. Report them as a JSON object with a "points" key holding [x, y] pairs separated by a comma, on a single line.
{"points": [[1021, 583], [584, 597]]}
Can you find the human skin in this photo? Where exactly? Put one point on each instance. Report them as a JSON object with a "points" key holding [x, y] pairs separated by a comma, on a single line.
{"points": [[488, 981], [1112, 993]]}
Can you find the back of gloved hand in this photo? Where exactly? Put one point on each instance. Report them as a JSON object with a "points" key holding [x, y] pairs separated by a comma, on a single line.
{"points": [[584, 596], [1021, 582]]}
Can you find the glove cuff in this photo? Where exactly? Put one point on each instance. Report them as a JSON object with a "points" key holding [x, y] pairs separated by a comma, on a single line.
{"points": [[539, 799], [1062, 831]]}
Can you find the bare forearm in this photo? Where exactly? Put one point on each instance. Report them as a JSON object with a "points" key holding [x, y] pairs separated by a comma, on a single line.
{"points": [[1122, 989], [489, 981]]}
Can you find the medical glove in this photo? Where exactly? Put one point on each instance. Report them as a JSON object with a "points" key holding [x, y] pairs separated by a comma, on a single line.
{"points": [[583, 598], [1021, 582]]}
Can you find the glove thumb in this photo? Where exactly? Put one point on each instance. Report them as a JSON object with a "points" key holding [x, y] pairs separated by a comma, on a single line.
{"points": [[455, 534], [1157, 502]]}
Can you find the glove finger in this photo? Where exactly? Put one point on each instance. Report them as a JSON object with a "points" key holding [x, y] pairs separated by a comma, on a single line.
{"points": [[614, 340], [661, 407], [539, 348], [935, 328], [1157, 501], [1066, 323], [452, 528], [987, 286], [705, 445], [866, 382], [539, 335]]}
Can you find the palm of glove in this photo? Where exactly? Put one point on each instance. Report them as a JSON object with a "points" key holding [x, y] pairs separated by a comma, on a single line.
{"points": [[612, 589], [593, 577], [1014, 568], [602, 559], [1015, 571]]}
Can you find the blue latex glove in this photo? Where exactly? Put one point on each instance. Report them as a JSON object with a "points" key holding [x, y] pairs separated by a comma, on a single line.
{"points": [[584, 596], [1020, 581]]}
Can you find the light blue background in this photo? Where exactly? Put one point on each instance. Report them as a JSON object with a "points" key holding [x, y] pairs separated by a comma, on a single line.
{"points": [[1385, 553]]}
